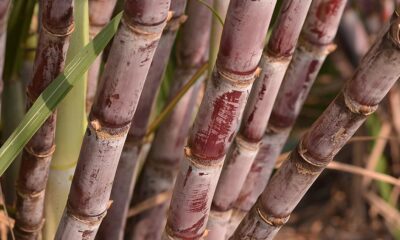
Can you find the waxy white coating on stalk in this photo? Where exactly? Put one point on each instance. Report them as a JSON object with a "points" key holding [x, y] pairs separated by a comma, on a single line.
{"points": [[377, 73], [112, 112]]}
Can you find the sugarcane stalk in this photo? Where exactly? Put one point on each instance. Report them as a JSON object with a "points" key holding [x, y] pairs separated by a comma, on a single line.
{"points": [[12, 90], [274, 62], [113, 225], [161, 166], [218, 117], [56, 27], [4, 9], [372, 80], [353, 35], [71, 126], [221, 7], [8, 181], [314, 45], [111, 115], [100, 12]]}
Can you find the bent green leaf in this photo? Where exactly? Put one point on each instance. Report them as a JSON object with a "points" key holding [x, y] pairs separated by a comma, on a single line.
{"points": [[54, 93]]}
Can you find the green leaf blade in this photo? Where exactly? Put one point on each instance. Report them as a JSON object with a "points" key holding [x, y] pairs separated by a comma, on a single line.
{"points": [[54, 93]]}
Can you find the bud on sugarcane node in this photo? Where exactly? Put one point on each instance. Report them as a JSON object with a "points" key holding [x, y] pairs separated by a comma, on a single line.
{"points": [[314, 44], [377, 73], [112, 112], [56, 28], [274, 62], [219, 115]]}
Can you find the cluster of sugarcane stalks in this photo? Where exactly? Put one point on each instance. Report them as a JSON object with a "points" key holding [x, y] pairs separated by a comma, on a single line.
{"points": [[211, 157]]}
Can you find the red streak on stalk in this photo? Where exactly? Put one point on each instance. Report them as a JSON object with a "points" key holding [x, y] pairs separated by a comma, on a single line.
{"points": [[211, 142]]}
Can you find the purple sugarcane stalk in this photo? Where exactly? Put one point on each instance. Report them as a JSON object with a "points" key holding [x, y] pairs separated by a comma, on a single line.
{"points": [[100, 12], [218, 117], [166, 153], [112, 112], [372, 80], [114, 223], [314, 45], [56, 27], [4, 12], [274, 62], [353, 35]]}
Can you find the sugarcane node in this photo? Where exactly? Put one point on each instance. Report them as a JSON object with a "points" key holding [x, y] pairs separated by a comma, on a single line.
{"points": [[356, 107], [31, 229], [235, 80], [30, 195], [271, 129], [89, 220], [67, 33], [203, 163], [318, 50], [268, 218], [150, 32], [106, 133], [220, 215], [42, 155], [243, 143], [169, 234], [307, 156], [276, 56]]}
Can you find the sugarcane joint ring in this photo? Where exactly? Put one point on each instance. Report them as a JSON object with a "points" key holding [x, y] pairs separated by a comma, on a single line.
{"points": [[356, 107], [30, 195], [89, 220], [321, 50], [68, 31], [30, 229], [307, 157], [270, 220], [168, 233], [42, 155], [236, 80], [153, 32], [272, 129], [244, 144], [200, 163], [108, 133]]}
